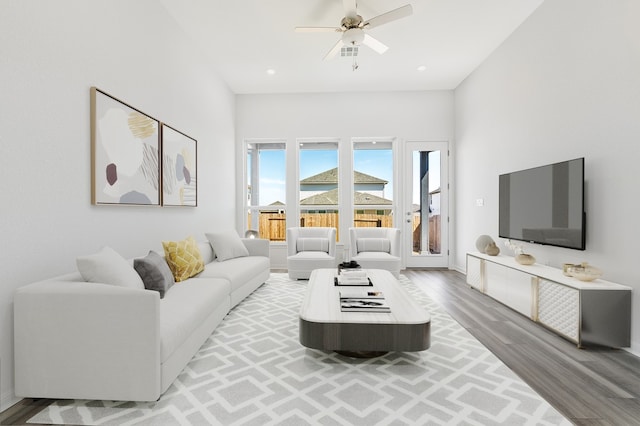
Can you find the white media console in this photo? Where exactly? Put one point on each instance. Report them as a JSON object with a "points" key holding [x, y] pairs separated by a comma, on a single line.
{"points": [[596, 312]]}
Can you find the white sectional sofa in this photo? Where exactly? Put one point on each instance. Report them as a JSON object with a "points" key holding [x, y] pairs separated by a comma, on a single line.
{"points": [[80, 340]]}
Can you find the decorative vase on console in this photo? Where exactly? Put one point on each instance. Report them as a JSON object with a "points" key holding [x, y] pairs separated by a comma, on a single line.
{"points": [[492, 249], [520, 256], [525, 259]]}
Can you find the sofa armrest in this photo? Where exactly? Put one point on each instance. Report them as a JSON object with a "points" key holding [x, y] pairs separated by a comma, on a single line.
{"points": [[257, 246], [87, 340]]}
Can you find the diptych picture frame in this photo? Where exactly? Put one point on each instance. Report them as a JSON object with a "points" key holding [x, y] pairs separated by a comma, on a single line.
{"points": [[179, 168], [125, 146], [137, 160]]}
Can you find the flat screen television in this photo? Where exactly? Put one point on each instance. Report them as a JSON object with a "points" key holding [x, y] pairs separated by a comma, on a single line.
{"points": [[544, 205]]}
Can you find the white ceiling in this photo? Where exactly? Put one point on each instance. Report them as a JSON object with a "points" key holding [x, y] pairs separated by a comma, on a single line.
{"points": [[244, 38]]}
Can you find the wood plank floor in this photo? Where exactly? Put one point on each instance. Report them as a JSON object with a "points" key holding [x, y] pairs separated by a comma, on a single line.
{"points": [[591, 386]]}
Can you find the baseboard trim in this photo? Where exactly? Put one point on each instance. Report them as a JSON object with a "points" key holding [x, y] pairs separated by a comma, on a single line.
{"points": [[460, 269], [8, 400]]}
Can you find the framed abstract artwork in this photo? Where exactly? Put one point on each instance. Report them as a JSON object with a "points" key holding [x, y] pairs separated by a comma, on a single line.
{"points": [[125, 153], [179, 168]]}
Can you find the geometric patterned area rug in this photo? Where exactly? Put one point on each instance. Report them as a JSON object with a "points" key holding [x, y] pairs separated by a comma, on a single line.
{"points": [[253, 371]]}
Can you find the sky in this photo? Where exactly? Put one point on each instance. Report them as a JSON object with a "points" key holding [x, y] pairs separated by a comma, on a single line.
{"points": [[378, 163]]}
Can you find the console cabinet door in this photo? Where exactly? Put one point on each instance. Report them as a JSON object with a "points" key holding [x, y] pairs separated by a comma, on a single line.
{"points": [[474, 272], [519, 292], [559, 308], [496, 281], [509, 286]]}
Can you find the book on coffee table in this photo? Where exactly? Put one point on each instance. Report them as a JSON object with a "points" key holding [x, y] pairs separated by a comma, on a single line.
{"points": [[363, 301], [352, 281], [353, 277], [354, 293]]}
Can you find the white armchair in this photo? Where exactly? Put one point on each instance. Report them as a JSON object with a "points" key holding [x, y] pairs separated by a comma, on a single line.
{"points": [[309, 249], [376, 248]]}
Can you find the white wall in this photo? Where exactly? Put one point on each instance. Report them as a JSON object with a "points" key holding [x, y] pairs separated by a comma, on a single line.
{"points": [[409, 115], [413, 116], [51, 54], [564, 85]]}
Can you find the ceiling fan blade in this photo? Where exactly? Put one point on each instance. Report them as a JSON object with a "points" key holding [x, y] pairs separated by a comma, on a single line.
{"points": [[374, 44], [334, 50], [350, 8], [392, 15], [318, 30]]}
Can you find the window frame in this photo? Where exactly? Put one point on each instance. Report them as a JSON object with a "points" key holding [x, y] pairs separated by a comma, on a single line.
{"points": [[345, 207]]}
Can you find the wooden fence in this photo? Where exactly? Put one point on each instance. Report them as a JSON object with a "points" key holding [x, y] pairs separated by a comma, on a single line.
{"points": [[273, 226], [434, 234]]}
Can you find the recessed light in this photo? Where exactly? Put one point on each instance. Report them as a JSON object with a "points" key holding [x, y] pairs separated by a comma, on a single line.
{"points": [[271, 71], [422, 67]]}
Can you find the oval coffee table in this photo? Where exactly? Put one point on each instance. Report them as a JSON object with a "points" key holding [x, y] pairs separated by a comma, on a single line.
{"points": [[407, 328]]}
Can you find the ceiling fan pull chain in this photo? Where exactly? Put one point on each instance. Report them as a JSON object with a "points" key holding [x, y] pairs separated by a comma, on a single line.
{"points": [[355, 64]]}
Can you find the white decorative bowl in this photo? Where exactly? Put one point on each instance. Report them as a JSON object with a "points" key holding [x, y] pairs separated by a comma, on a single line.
{"points": [[584, 272]]}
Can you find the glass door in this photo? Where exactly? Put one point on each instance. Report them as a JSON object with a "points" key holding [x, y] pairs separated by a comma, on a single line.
{"points": [[425, 214]]}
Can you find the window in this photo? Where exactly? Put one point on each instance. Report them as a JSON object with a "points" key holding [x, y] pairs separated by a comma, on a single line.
{"points": [[426, 198], [326, 189], [318, 183], [266, 189], [372, 183]]}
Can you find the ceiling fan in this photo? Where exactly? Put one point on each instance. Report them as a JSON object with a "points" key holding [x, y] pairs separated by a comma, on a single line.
{"points": [[353, 28]]}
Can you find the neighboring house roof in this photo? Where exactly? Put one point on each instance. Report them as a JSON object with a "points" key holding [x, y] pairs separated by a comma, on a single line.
{"points": [[276, 207], [331, 176], [331, 198]]}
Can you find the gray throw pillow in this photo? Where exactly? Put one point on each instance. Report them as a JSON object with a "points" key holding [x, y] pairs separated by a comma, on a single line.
{"points": [[155, 273]]}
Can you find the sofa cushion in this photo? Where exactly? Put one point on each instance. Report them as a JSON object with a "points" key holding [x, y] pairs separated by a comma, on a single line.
{"points": [[237, 271], [185, 307], [378, 260], [183, 258], [155, 272], [312, 244], [373, 244], [227, 245], [206, 251], [108, 267]]}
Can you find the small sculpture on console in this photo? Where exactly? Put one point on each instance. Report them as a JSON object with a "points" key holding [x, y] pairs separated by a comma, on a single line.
{"points": [[482, 242]]}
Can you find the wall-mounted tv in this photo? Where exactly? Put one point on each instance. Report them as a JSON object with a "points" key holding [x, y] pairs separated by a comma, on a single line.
{"points": [[544, 205]]}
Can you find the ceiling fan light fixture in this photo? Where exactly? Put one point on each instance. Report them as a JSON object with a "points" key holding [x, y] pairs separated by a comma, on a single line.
{"points": [[353, 36]]}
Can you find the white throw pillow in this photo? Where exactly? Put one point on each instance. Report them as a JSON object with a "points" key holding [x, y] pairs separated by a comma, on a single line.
{"points": [[227, 245], [312, 244], [108, 267], [373, 244]]}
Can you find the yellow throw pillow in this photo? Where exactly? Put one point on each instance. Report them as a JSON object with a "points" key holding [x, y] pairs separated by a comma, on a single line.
{"points": [[184, 258]]}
